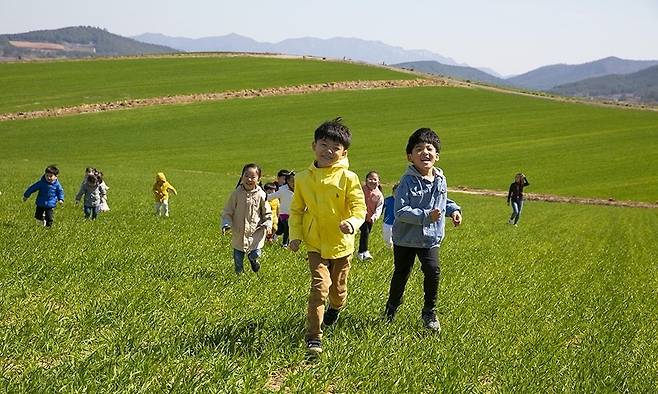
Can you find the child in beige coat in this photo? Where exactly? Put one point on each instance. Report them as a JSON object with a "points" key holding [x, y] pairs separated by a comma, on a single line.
{"points": [[249, 215]]}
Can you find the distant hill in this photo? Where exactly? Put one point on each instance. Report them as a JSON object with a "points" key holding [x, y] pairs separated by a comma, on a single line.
{"points": [[547, 77], [351, 48], [641, 86], [80, 41], [459, 72]]}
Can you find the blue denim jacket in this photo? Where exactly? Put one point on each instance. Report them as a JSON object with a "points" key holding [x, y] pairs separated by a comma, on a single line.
{"points": [[415, 198]]}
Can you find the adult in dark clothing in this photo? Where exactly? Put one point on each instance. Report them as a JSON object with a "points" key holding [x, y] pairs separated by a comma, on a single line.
{"points": [[515, 196]]}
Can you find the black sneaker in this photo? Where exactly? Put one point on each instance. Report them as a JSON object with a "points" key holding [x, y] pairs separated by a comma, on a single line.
{"points": [[330, 316], [313, 346], [255, 266], [431, 322], [389, 313]]}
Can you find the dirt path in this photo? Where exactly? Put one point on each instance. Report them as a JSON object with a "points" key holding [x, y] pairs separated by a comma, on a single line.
{"points": [[554, 198], [240, 94]]}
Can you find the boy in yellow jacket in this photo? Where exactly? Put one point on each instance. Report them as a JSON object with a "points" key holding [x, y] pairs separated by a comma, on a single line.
{"points": [[161, 189], [327, 209]]}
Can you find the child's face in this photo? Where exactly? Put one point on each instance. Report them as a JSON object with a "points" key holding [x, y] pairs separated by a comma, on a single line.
{"points": [[372, 181], [291, 183], [328, 152], [50, 178], [250, 178], [281, 180], [423, 156]]}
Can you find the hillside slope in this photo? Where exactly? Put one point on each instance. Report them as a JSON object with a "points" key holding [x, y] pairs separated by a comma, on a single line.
{"points": [[78, 41], [547, 77], [459, 72], [641, 86]]}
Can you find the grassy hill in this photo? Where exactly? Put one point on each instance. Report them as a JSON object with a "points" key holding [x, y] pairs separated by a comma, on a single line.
{"points": [[78, 41], [641, 86], [459, 72], [130, 303], [35, 86]]}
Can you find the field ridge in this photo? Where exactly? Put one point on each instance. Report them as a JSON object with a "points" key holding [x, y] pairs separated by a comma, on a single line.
{"points": [[556, 198], [229, 95]]}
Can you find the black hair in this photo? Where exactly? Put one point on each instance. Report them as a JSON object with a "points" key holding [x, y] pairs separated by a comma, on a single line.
{"points": [[52, 169], [91, 178], [270, 186], [282, 173], [245, 168], [424, 135], [334, 130]]}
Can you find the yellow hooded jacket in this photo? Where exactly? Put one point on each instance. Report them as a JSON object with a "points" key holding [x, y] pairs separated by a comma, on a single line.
{"points": [[161, 188], [324, 197]]}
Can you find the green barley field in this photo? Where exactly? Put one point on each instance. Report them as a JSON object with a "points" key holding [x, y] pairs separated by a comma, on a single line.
{"points": [[566, 302]]}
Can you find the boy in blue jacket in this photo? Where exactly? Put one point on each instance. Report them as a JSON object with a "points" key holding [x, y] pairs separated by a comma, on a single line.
{"points": [[50, 193], [421, 203]]}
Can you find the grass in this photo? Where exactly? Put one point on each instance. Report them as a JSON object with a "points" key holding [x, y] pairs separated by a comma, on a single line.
{"points": [[40, 85], [131, 303], [564, 149], [134, 304]]}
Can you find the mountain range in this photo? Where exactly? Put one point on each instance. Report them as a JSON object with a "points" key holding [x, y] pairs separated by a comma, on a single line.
{"points": [[375, 52], [641, 86], [611, 77]]}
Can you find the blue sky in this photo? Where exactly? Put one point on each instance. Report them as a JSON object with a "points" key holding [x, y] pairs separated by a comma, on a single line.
{"points": [[510, 36]]}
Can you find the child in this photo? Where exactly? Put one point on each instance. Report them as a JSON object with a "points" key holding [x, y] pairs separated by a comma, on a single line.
{"points": [[274, 206], [389, 218], [104, 207], [421, 201], [248, 212], [374, 202], [515, 194], [327, 209], [281, 178], [161, 189], [50, 193], [284, 194], [93, 196]]}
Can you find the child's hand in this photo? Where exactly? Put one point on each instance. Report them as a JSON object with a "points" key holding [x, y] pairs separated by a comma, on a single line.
{"points": [[435, 214], [346, 227], [294, 244], [456, 218]]}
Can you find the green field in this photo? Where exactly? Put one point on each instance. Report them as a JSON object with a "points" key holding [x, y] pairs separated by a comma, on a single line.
{"points": [[564, 302], [40, 85]]}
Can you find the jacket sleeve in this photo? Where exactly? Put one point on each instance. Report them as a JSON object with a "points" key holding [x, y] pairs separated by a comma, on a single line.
{"points": [[80, 192], [404, 212], [452, 207], [60, 192], [509, 193], [265, 213], [525, 182], [31, 189], [356, 203], [227, 213], [378, 210], [297, 208], [171, 187]]}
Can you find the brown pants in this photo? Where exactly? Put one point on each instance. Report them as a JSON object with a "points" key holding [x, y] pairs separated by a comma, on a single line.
{"points": [[328, 278]]}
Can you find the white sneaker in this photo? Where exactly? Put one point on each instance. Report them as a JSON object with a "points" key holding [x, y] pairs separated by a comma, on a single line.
{"points": [[511, 221], [360, 257], [367, 255]]}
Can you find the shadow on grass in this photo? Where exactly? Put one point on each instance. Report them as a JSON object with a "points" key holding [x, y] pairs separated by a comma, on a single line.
{"points": [[248, 337]]}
